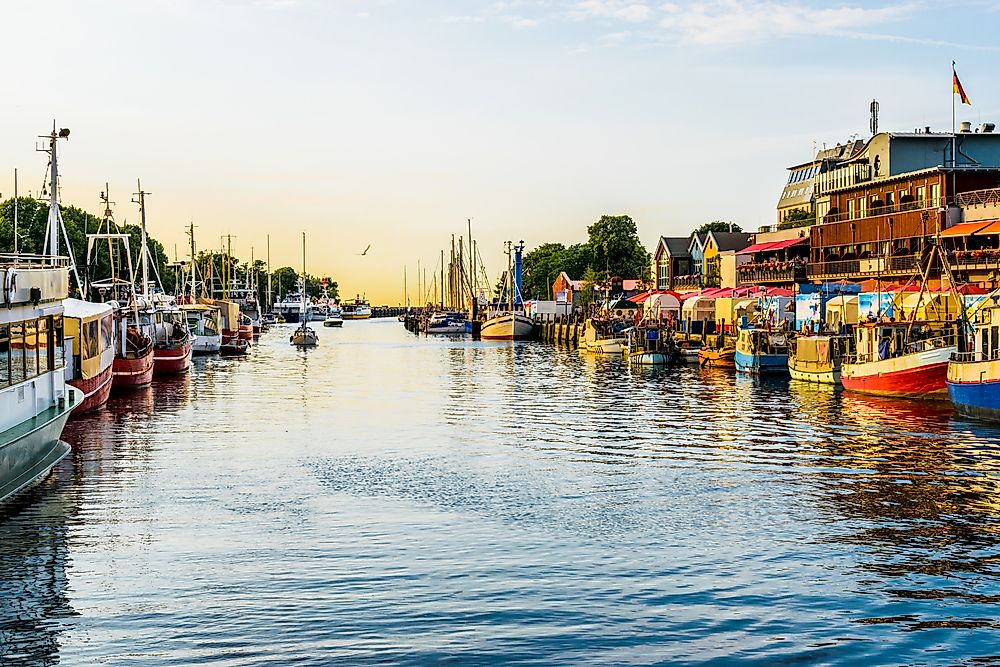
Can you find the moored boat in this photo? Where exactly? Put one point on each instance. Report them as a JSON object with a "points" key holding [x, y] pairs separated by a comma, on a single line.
{"points": [[761, 351], [35, 399], [91, 328], [902, 359], [304, 335], [172, 344], [650, 346], [604, 336], [133, 364], [445, 322], [817, 358], [973, 377], [206, 331], [507, 326]]}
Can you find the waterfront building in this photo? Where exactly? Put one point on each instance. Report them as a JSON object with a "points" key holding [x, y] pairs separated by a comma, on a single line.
{"points": [[566, 290], [799, 191], [896, 193], [696, 251], [719, 258], [671, 260], [776, 258]]}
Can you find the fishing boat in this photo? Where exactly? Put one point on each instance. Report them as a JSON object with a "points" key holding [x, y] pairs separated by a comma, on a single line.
{"points": [[246, 328], [304, 336], [689, 349], [603, 336], [356, 309], [973, 378], [206, 330], [650, 346], [91, 328], [235, 348], [903, 359], [133, 364], [817, 358], [507, 321], [717, 357], [35, 399], [761, 351], [172, 342]]}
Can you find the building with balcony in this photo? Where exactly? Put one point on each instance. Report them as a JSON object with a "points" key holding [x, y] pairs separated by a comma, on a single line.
{"points": [[719, 257], [882, 206], [671, 260], [798, 193]]}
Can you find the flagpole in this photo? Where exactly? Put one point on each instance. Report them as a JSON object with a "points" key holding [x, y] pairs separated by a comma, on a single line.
{"points": [[954, 75]]}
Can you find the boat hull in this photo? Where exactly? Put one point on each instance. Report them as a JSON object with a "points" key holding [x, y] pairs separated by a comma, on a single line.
{"points": [[333, 323], [648, 359], [507, 327], [246, 332], [206, 344], [974, 388], [829, 376], [605, 346], [132, 372], [96, 390], [917, 375], [717, 358], [30, 450], [356, 316], [172, 360], [761, 364], [454, 329]]}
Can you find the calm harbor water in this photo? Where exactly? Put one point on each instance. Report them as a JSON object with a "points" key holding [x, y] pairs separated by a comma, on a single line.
{"points": [[409, 500]]}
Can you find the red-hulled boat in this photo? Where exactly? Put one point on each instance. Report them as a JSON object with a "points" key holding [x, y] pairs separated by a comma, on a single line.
{"points": [[903, 359], [91, 328], [246, 328], [172, 358], [167, 325], [133, 365]]}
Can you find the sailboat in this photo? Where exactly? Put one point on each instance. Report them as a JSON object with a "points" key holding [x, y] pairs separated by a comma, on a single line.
{"points": [[510, 323], [304, 336]]}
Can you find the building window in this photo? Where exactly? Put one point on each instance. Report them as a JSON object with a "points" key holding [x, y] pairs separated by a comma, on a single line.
{"points": [[889, 202], [921, 194], [935, 194], [862, 207], [850, 209]]}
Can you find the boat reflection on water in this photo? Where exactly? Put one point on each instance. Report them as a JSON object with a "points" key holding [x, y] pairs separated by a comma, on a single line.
{"points": [[33, 579]]}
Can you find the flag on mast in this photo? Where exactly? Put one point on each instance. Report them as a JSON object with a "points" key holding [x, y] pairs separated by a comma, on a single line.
{"points": [[957, 86]]}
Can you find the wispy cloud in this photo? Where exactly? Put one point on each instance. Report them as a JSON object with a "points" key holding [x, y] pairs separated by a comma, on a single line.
{"points": [[713, 22], [622, 10]]}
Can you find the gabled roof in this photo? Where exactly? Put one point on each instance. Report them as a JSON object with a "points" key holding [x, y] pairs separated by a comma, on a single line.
{"points": [[697, 239], [675, 246], [731, 240]]}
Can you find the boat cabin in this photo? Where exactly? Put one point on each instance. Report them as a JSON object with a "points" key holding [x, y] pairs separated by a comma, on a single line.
{"points": [[91, 328], [878, 341], [755, 342]]}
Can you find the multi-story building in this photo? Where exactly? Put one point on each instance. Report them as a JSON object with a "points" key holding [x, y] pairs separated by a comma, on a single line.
{"points": [[719, 259], [884, 203], [671, 261], [799, 191]]}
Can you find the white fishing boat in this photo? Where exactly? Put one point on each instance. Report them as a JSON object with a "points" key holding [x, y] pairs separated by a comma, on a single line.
{"points": [[304, 335], [510, 322], [604, 336], [35, 399], [446, 322], [206, 330]]}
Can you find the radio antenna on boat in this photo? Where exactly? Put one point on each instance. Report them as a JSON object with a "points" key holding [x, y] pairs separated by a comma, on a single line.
{"points": [[55, 223]]}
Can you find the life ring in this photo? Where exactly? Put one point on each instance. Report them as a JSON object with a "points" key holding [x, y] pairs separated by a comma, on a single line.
{"points": [[9, 287]]}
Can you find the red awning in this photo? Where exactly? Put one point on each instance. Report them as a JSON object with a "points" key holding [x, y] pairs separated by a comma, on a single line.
{"points": [[965, 228], [991, 228], [773, 245]]}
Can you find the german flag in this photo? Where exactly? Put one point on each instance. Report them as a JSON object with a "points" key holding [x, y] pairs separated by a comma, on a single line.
{"points": [[957, 86]]}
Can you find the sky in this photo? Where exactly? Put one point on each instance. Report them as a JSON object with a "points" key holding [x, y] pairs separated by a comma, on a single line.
{"points": [[390, 123]]}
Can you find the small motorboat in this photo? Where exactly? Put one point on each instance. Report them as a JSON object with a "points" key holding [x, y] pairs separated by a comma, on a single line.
{"points": [[235, 348], [333, 321]]}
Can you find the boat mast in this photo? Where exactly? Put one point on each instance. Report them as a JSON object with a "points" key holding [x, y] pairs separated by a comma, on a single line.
{"points": [[442, 280], [194, 289], [55, 222], [510, 278], [15, 210], [406, 299], [303, 315], [144, 252], [268, 273]]}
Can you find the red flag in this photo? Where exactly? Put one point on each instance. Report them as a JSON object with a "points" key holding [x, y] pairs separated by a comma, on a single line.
{"points": [[957, 87]]}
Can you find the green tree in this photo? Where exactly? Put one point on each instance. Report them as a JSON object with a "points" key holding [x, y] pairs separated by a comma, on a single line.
{"points": [[541, 266], [284, 280], [718, 226], [616, 248], [797, 217]]}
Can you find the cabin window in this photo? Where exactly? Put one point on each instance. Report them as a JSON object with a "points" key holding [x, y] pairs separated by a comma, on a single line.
{"points": [[4, 355], [30, 349], [16, 352], [107, 332], [91, 336], [984, 343], [994, 342], [57, 344], [44, 346]]}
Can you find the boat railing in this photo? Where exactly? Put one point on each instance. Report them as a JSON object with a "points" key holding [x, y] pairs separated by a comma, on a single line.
{"points": [[975, 355], [21, 260], [913, 347]]}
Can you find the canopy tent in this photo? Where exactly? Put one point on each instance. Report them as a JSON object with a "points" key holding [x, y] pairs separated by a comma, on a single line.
{"points": [[930, 305], [842, 310], [661, 306]]}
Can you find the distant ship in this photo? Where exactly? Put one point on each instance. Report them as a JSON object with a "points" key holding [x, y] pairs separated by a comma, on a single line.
{"points": [[356, 309]]}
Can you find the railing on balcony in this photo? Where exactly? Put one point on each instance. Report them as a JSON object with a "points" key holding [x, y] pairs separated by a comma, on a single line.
{"points": [[987, 257], [876, 211], [900, 265], [761, 275], [990, 196]]}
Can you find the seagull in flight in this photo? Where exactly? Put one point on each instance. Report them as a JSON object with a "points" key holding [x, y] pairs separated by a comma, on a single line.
{"points": [[362, 254]]}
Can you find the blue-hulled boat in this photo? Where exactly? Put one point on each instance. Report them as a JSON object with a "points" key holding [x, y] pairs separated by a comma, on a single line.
{"points": [[762, 351], [974, 375]]}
